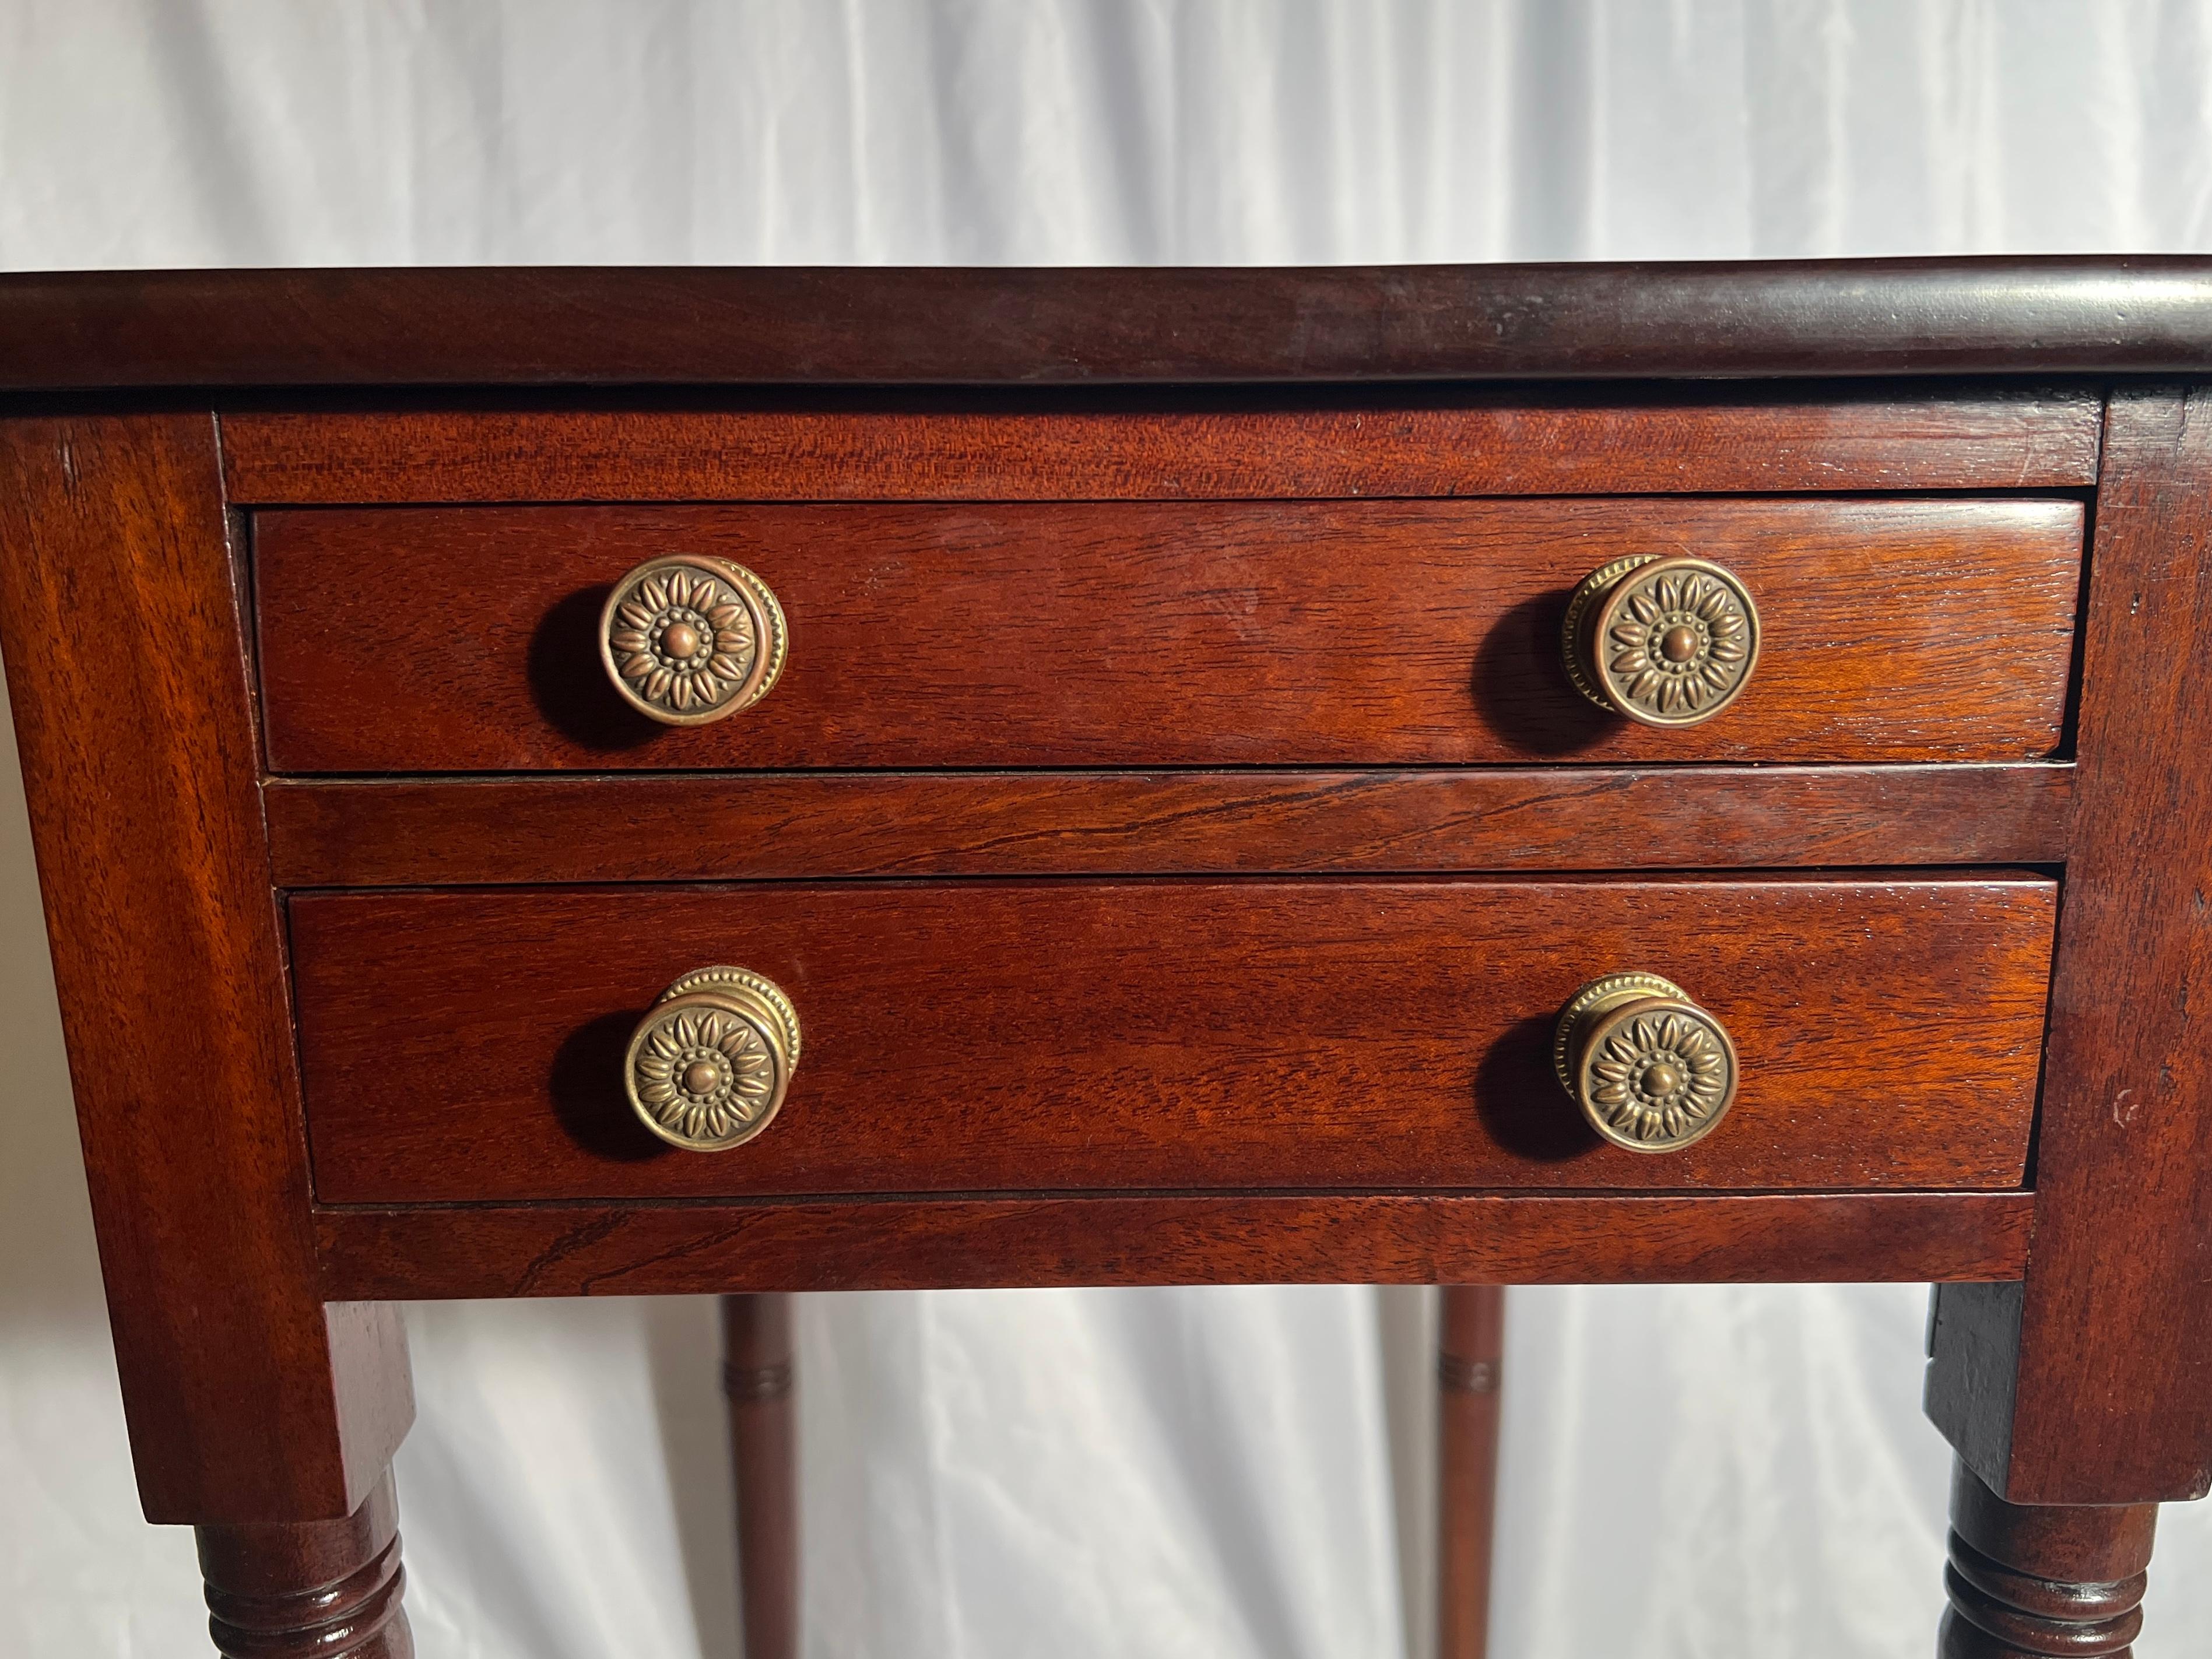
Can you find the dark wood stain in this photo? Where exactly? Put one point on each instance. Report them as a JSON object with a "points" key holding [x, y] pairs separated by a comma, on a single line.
{"points": [[632, 326]]}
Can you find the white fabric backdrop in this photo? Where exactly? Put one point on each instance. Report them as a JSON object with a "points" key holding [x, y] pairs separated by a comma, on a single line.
{"points": [[1229, 1473]]}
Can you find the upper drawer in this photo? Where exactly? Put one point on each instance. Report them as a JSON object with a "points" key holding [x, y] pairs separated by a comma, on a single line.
{"points": [[1161, 634]]}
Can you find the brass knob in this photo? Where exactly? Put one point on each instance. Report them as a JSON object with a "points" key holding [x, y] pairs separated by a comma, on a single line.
{"points": [[709, 1063], [1651, 1070], [1666, 641], [689, 640]]}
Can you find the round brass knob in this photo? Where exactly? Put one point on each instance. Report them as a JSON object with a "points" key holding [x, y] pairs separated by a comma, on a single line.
{"points": [[1666, 641], [689, 638], [1651, 1070], [709, 1063]]}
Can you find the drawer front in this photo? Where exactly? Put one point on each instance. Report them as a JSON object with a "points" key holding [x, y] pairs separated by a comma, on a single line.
{"points": [[1379, 633], [986, 1035]]}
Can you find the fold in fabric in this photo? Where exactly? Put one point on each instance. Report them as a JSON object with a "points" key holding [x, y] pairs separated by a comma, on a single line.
{"points": [[1706, 1472]]}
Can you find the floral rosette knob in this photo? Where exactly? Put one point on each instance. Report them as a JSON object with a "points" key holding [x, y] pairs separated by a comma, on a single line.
{"points": [[1663, 641], [690, 640]]}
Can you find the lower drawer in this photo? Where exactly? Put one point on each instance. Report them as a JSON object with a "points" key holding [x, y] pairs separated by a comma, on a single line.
{"points": [[989, 1036]]}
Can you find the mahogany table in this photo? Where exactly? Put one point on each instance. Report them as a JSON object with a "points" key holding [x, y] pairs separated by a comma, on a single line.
{"points": [[558, 782]]}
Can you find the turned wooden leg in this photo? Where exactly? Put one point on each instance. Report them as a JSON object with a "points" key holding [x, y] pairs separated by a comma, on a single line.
{"points": [[1470, 1344], [2042, 1580], [756, 1376], [309, 1589]]}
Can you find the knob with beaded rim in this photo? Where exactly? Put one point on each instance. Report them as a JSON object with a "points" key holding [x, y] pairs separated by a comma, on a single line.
{"points": [[710, 1062], [1651, 1070], [1663, 641], [689, 640]]}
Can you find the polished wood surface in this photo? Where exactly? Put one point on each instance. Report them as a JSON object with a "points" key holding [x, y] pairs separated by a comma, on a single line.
{"points": [[246, 1399], [1245, 443], [404, 832], [617, 1248], [2123, 1231], [1334, 634], [1089, 828], [632, 326], [2043, 1582], [309, 1589], [757, 1381], [1004, 1036], [1470, 1352]]}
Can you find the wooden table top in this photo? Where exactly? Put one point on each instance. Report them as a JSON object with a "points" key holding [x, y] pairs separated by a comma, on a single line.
{"points": [[571, 325]]}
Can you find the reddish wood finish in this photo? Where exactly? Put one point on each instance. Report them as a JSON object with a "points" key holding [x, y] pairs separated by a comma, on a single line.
{"points": [[756, 1377], [631, 326], [493, 831], [1004, 1036], [2027, 1583], [1299, 1238], [1189, 1078], [309, 1589], [247, 1401], [2123, 1233], [1333, 634], [1470, 1351], [1185, 448]]}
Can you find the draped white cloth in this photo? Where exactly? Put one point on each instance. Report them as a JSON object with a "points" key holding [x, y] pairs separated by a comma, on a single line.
{"points": [[1230, 1473]]}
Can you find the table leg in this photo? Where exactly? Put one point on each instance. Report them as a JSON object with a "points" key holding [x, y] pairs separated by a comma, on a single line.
{"points": [[309, 1589], [2031, 1581], [1471, 1341], [2080, 1396], [756, 1376]]}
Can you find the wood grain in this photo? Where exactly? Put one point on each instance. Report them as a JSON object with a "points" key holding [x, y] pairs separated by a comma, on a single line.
{"points": [[983, 1037], [1135, 595], [2095, 1384], [247, 1401], [398, 832], [1327, 634], [645, 1249], [1192, 445], [630, 326]]}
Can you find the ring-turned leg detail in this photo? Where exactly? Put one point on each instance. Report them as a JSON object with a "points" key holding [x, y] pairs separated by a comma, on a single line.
{"points": [[756, 1377], [1470, 1347], [310, 1589], [2040, 1582]]}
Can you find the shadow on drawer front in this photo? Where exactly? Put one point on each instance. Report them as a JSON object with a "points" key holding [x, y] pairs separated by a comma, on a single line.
{"points": [[991, 1036], [1322, 633]]}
